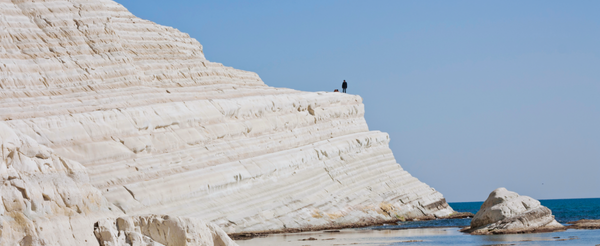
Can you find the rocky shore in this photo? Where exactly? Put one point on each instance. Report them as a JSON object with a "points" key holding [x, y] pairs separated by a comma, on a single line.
{"points": [[105, 115], [245, 236], [115, 130], [584, 224]]}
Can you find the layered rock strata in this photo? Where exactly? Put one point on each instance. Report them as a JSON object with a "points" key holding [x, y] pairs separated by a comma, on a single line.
{"points": [[507, 212], [161, 130], [584, 224], [45, 198]]}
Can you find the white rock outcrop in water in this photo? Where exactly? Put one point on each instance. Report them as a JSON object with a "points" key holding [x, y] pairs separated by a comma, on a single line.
{"points": [[507, 212], [150, 126]]}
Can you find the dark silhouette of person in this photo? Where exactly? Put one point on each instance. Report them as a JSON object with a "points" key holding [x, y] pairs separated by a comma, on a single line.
{"points": [[344, 86]]}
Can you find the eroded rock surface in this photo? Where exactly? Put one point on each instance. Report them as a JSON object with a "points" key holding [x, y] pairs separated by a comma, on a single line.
{"points": [[161, 130], [507, 212], [45, 199], [158, 230]]}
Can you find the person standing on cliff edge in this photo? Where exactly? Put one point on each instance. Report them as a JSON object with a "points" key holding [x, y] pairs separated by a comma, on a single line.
{"points": [[344, 86]]}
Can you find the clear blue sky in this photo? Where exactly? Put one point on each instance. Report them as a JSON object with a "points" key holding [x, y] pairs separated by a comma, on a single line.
{"points": [[475, 95]]}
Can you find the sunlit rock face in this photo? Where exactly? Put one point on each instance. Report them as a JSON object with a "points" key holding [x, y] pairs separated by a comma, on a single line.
{"points": [[161, 130], [158, 230], [507, 212], [45, 198]]}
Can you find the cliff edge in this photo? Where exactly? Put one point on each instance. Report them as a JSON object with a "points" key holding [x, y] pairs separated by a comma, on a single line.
{"points": [[155, 128]]}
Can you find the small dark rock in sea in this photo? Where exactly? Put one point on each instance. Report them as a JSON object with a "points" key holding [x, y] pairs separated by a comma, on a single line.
{"points": [[566, 239], [308, 239]]}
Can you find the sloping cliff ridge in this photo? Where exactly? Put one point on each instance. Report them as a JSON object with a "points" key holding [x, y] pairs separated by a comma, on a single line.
{"points": [[155, 128]]}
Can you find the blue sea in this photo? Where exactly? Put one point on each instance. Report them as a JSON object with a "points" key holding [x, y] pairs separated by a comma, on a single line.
{"points": [[446, 232]]}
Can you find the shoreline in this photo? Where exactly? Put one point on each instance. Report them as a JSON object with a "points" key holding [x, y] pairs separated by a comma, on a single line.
{"points": [[583, 224], [448, 236], [333, 228]]}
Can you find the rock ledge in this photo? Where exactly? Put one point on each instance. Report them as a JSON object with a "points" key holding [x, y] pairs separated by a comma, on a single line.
{"points": [[584, 224]]}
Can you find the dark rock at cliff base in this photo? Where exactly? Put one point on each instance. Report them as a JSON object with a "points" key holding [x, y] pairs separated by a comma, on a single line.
{"points": [[584, 224]]}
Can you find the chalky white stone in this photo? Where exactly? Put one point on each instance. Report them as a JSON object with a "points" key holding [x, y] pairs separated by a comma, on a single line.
{"points": [[157, 230], [152, 127], [507, 212], [45, 198]]}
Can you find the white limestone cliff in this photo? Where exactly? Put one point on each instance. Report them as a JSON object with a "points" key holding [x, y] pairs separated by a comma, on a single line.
{"points": [[507, 212], [45, 199], [156, 128]]}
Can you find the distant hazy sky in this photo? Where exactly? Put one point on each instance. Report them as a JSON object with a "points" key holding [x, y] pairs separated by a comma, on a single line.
{"points": [[475, 95]]}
